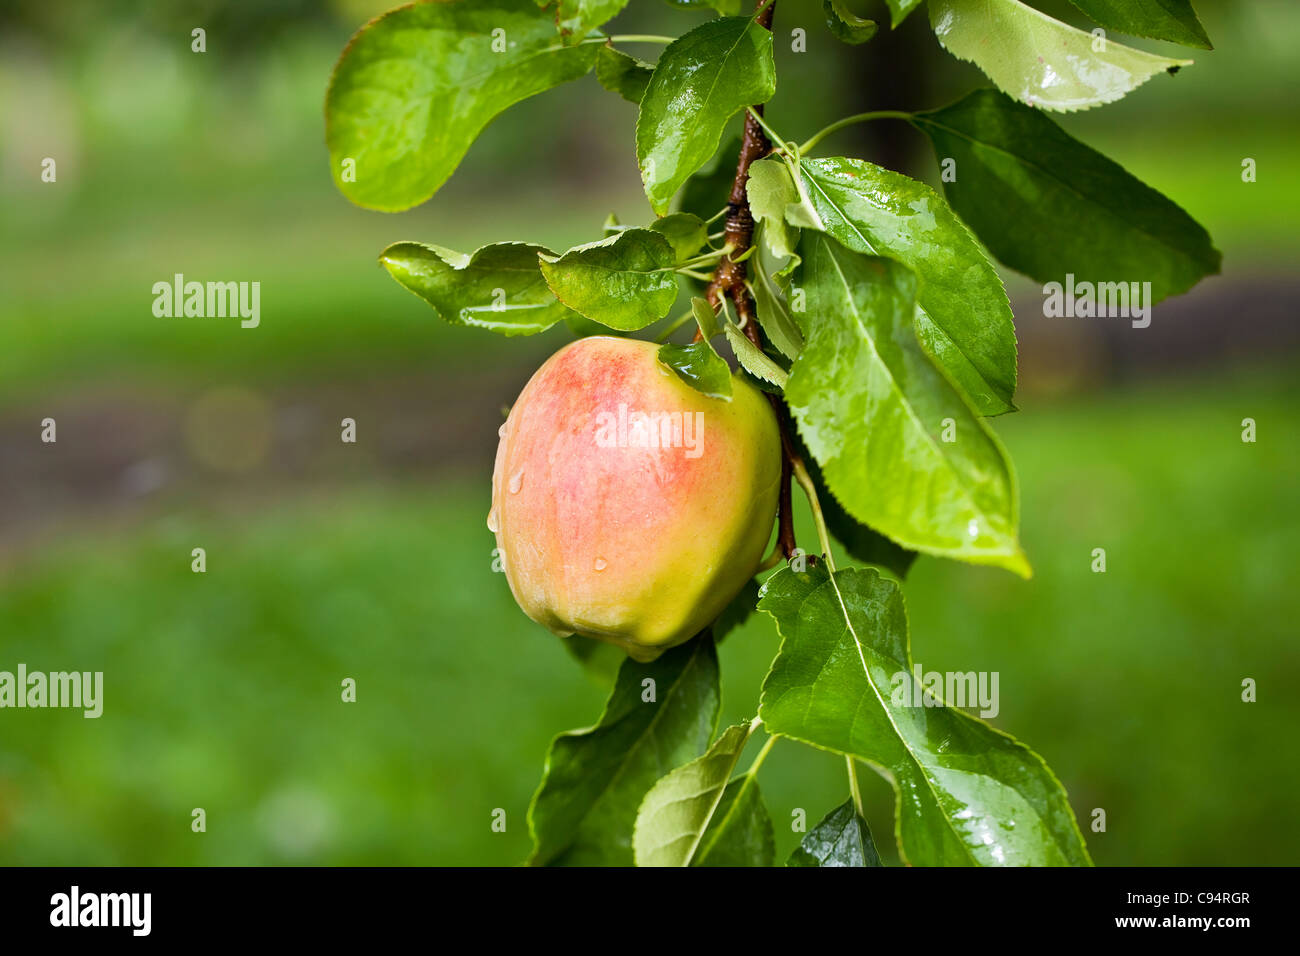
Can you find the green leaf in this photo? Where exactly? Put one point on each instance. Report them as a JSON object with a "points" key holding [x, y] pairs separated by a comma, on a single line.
{"points": [[585, 809], [577, 18], [685, 232], [622, 74], [842, 681], [725, 8], [699, 367], [705, 317], [701, 80], [498, 287], [707, 191], [771, 191], [677, 809], [774, 314], [845, 24], [754, 360], [862, 543], [965, 320], [740, 833], [899, 9], [625, 281], [874, 411], [1038, 60], [841, 839], [415, 87], [1047, 205], [1172, 20]]}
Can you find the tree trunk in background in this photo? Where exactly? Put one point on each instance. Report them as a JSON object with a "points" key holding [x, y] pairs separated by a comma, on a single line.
{"points": [[891, 73]]}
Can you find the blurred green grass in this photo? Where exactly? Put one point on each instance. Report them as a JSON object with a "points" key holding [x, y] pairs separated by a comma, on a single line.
{"points": [[223, 688]]}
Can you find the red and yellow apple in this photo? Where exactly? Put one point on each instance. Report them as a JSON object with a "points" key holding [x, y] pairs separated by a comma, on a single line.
{"points": [[629, 507]]}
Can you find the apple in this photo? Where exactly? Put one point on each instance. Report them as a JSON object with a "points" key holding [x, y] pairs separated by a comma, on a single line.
{"points": [[627, 506]]}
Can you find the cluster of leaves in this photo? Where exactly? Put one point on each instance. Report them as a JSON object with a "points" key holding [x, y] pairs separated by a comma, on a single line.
{"points": [[886, 331]]}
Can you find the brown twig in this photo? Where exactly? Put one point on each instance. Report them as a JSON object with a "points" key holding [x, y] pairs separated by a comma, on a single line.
{"points": [[738, 233], [729, 280]]}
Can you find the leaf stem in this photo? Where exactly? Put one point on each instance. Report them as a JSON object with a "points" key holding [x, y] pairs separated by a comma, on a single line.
{"points": [[762, 754], [676, 324], [853, 785], [810, 491], [702, 276], [849, 121], [771, 133], [631, 38], [706, 259], [772, 560]]}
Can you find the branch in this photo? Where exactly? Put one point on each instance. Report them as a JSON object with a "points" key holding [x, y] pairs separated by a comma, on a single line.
{"points": [[729, 280], [738, 233]]}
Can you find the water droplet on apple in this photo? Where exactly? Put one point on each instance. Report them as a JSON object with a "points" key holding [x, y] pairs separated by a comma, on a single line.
{"points": [[516, 482], [501, 432], [493, 524], [600, 564]]}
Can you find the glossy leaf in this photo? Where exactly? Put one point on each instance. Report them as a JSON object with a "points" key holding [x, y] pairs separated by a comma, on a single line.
{"points": [[862, 543], [873, 409], [1047, 205], [752, 358], [1038, 60], [740, 833], [774, 314], [577, 18], [847, 25], [584, 812], [622, 74], [699, 367], [967, 793], [702, 79], [1172, 20], [625, 281], [964, 320], [415, 87], [677, 810], [705, 318], [498, 287], [841, 839], [707, 191], [899, 9], [685, 232], [771, 191]]}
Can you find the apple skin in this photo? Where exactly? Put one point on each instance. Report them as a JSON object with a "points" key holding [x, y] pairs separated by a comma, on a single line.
{"points": [[604, 537]]}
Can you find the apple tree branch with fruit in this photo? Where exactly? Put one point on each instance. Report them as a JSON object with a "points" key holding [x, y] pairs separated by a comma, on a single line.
{"points": [[639, 482]]}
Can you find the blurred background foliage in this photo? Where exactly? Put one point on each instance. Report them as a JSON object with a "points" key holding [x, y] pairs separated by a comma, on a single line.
{"points": [[373, 561]]}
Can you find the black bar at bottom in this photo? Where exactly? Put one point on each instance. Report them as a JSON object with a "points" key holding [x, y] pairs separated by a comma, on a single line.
{"points": [[599, 907]]}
